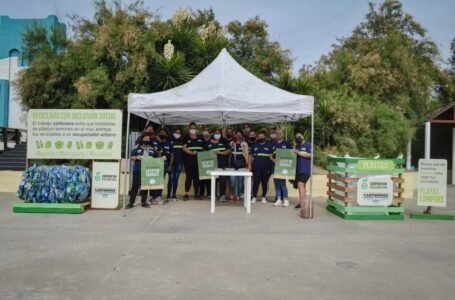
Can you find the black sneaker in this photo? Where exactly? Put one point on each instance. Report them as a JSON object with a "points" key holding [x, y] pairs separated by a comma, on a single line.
{"points": [[186, 198], [297, 206], [129, 205], [145, 205]]}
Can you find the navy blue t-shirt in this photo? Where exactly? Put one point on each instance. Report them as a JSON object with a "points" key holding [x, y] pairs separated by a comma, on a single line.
{"points": [[196, 144], [166, 149], [139, 151], [237, 158], [261, 156], [304, 163], [177, 147], [219, 146]]}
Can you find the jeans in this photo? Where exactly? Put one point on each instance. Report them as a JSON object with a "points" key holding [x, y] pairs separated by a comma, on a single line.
{"points": [[260, 177], [240, 184], [174, 179], [281, 189]]}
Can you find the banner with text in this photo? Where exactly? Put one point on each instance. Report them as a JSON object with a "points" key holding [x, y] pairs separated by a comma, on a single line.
{"points": [[74, 134], [432, 182], [285, 164], [375, 191], [207, 162], [152, 173], [105, 184]]}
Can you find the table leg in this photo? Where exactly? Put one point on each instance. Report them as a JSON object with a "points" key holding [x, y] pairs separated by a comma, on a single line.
{"points": [[212, 195], [248, 194]]}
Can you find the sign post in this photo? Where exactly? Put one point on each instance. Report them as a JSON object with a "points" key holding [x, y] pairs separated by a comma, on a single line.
{"points": [[105, 184], [432, 188]]}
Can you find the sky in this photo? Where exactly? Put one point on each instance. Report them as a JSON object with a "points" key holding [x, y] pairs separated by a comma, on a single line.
{"points": [[307, 27]]}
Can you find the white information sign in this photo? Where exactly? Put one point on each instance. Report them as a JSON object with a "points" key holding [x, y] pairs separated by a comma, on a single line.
{"points": [[375, 191], [432, 182], [105, 184], [74, 134]]}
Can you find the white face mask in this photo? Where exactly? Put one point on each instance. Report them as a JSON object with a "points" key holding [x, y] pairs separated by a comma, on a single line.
{"points": [[217, 136], [177, 135], [193, 131]]}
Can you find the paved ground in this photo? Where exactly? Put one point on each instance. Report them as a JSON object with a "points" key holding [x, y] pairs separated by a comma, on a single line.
{"points": [[181, 251]]}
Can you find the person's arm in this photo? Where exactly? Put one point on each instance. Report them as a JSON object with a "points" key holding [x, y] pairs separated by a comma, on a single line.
{"points": [[302, 153], [188, 151], [171, 162], [134, 155]]}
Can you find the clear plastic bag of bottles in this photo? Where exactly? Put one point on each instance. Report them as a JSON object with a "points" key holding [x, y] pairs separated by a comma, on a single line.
{"points": [[55, 184]]}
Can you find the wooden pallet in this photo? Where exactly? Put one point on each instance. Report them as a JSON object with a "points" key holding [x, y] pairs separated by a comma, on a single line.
{"points": [[51, 208], [365, 212]]}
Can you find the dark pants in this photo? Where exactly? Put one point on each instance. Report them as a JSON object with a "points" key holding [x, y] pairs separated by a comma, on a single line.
{"points": [[159, 193], [223, 183], [192, 176], [135, 187], [174, 179], [260, 177], [204, 184]]}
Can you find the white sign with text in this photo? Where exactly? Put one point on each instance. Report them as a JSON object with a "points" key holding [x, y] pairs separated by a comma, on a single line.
{"points": [[375, 191], [105, 184], [432, 182]]}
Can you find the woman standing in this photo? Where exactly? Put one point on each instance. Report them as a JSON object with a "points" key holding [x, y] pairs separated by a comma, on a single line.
{"points": [[166, 152], [177, 166], [192, 145], [238, 160], [304, 152], [261, 165], [281, 190], [204, 184], [222, 151]]}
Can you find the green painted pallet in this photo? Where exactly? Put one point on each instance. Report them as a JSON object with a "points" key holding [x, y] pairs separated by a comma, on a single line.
{"points": [[365, 212], [416, 215], [50, 208]]}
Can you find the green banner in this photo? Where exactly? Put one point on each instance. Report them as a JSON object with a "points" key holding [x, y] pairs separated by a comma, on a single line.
{"points": [[375, 165], [285, 164], [152, 173], [207, 161]]}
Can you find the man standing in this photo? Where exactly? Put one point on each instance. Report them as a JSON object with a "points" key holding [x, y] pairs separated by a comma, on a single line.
{"points": [[142, 150]]}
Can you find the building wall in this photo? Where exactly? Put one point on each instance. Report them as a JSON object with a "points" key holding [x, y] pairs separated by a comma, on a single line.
{"points": [[12, 61]]}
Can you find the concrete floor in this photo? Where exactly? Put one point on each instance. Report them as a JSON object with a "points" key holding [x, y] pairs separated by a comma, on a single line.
{"points": [[181, 251]]}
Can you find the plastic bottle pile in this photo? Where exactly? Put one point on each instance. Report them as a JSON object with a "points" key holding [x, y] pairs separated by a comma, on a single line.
{"points": [[55, 184]]}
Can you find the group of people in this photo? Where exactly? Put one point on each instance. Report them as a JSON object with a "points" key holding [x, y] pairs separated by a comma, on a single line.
{"points": [[235, 149]]}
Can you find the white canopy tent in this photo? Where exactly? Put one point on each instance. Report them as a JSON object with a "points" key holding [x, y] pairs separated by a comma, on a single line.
{"points": [[223, 93]]}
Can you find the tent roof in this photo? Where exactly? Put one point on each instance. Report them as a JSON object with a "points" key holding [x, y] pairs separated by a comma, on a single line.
{"points": [[224, 92]]}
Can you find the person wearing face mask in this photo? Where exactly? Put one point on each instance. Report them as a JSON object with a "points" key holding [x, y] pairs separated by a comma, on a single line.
{"points": [[150, 132], [303, 151], [238, 160], [205, 184], [222, 150], [143, 149], [251, 140], [261, 165], [167, 154], [174, 174], [191, 146], [281, 189]]}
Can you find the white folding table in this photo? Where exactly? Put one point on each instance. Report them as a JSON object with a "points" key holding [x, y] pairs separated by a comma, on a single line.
{"points": [[240, 172]]}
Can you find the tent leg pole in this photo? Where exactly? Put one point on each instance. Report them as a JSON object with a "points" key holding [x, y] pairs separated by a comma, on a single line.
{"points": [[312, 160], [127, 164]]}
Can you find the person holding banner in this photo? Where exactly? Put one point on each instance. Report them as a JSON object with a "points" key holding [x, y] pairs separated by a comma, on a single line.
{"points": [[192, 145], [303, 174], [177, 165], [150, 132], [223, 151], [166, 152], [238, 160], [261, 164], [144, 149], [281, 190]]}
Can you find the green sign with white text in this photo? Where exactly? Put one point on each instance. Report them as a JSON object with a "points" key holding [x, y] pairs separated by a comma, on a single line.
{"points": [[375, 165], [152, 173], [207, 162], [285, 164]]}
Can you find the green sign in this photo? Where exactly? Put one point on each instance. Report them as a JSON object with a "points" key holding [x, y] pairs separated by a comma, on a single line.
{"points": [[432, 182], [376, 165], [207, 162], [152, 173], [285, 164]]}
